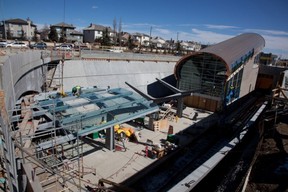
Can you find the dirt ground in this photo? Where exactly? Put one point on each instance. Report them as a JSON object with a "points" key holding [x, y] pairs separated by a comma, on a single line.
{"points": [[270, 171]]}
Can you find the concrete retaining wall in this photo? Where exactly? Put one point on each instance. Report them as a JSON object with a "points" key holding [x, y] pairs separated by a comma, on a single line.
{"points": [[24, 72], [20, 73], [114, 73]]}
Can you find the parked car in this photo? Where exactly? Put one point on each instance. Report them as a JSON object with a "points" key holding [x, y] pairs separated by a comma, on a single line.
{"points": [[3, 43], [17, 45], [63, 47], [115, 50], [81, 47], [40, 45]]}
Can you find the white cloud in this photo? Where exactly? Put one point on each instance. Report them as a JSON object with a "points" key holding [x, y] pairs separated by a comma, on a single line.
{"points": [[187, 25], [276, 41], [220, 26], [94, 7], [267, 32], [133, 25], [273, 41], [209, 37], [162, 31], [277, 45]]}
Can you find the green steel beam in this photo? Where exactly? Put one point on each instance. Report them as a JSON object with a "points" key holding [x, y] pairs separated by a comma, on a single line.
{"points": [[82, 116]]}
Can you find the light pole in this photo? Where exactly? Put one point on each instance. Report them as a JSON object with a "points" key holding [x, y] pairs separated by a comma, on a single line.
{"points": [[150, 39]]}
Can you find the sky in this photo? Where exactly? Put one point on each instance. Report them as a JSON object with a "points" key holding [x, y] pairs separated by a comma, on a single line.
{"points": [[203, 21]]}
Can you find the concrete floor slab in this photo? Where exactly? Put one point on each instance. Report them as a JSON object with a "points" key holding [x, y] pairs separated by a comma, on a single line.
{"points": [[119, 165]]}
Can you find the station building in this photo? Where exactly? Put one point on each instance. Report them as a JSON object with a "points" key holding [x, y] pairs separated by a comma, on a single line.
{"points": [[224, 72]]}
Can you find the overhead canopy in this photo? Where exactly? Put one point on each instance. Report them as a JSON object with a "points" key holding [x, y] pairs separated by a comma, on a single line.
{"points": [[94, 110]]}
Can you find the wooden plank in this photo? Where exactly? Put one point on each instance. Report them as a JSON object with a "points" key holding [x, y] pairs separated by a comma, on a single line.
{"points": [[33, 180], [27, 144], [26, 118], [3, 111], [26, 101], [31, 132]]}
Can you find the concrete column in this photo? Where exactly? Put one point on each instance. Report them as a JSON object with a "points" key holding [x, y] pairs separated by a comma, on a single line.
{"points": [[110, 138], [179, 107]]}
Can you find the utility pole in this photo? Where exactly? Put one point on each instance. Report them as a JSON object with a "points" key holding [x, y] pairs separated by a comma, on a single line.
{"points": [[4, 25], [64, 11], [150, 39]]}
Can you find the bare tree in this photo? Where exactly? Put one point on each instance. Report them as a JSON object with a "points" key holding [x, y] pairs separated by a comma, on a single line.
{"points": [[44, 33], [114, 31], [120, 31]]}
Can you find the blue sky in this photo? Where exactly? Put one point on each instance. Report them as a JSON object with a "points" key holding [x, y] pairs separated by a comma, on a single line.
{"points": [[204, 21]]}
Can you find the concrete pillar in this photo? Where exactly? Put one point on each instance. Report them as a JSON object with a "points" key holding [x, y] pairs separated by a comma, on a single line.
{"points": [[110, 138], [180, 107]]}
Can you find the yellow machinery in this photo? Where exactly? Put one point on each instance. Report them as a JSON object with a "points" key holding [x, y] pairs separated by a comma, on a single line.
{"points": [[123, 131]]}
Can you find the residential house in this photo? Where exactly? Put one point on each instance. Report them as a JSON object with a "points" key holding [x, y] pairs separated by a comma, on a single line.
{"points": [[125, 38], [158, 42], [67, 32], [17, 29], [94, 32], [76, 36], [141, 39], [190, 46], [194, 46]]}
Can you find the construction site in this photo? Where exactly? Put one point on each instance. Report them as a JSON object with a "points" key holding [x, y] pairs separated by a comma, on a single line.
{"points": [[99, 121]]}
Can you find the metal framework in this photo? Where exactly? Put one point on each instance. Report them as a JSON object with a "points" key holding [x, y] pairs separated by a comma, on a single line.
{"points": [[52, 128], [206, 72]]}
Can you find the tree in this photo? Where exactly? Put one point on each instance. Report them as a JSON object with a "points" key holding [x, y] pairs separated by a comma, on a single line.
{"points": [[53, 36], [130, 43], [63, 36], [98, 40], [171, 46], [22, 34], [44, 34], [114, 31], [35, 38], [120, 31], [178, 47], [105, 37], [8, 33]]}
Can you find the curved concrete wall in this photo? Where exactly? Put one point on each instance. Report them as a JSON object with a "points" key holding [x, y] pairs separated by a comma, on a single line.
{"points": [[20, 73], [25, 71]]}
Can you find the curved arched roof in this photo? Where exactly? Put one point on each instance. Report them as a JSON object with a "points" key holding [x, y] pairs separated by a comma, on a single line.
{"points": [[230, 50]]}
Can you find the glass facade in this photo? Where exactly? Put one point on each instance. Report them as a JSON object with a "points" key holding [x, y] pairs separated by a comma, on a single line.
{"points": [[205, 72], [233, 87]]}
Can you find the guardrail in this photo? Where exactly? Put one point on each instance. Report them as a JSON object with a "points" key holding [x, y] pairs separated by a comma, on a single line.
{"points": [[126, 56]]}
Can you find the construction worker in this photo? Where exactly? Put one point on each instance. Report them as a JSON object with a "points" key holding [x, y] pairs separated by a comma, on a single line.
{"points": [[231, 93], [76, 90], [232, 90]]}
